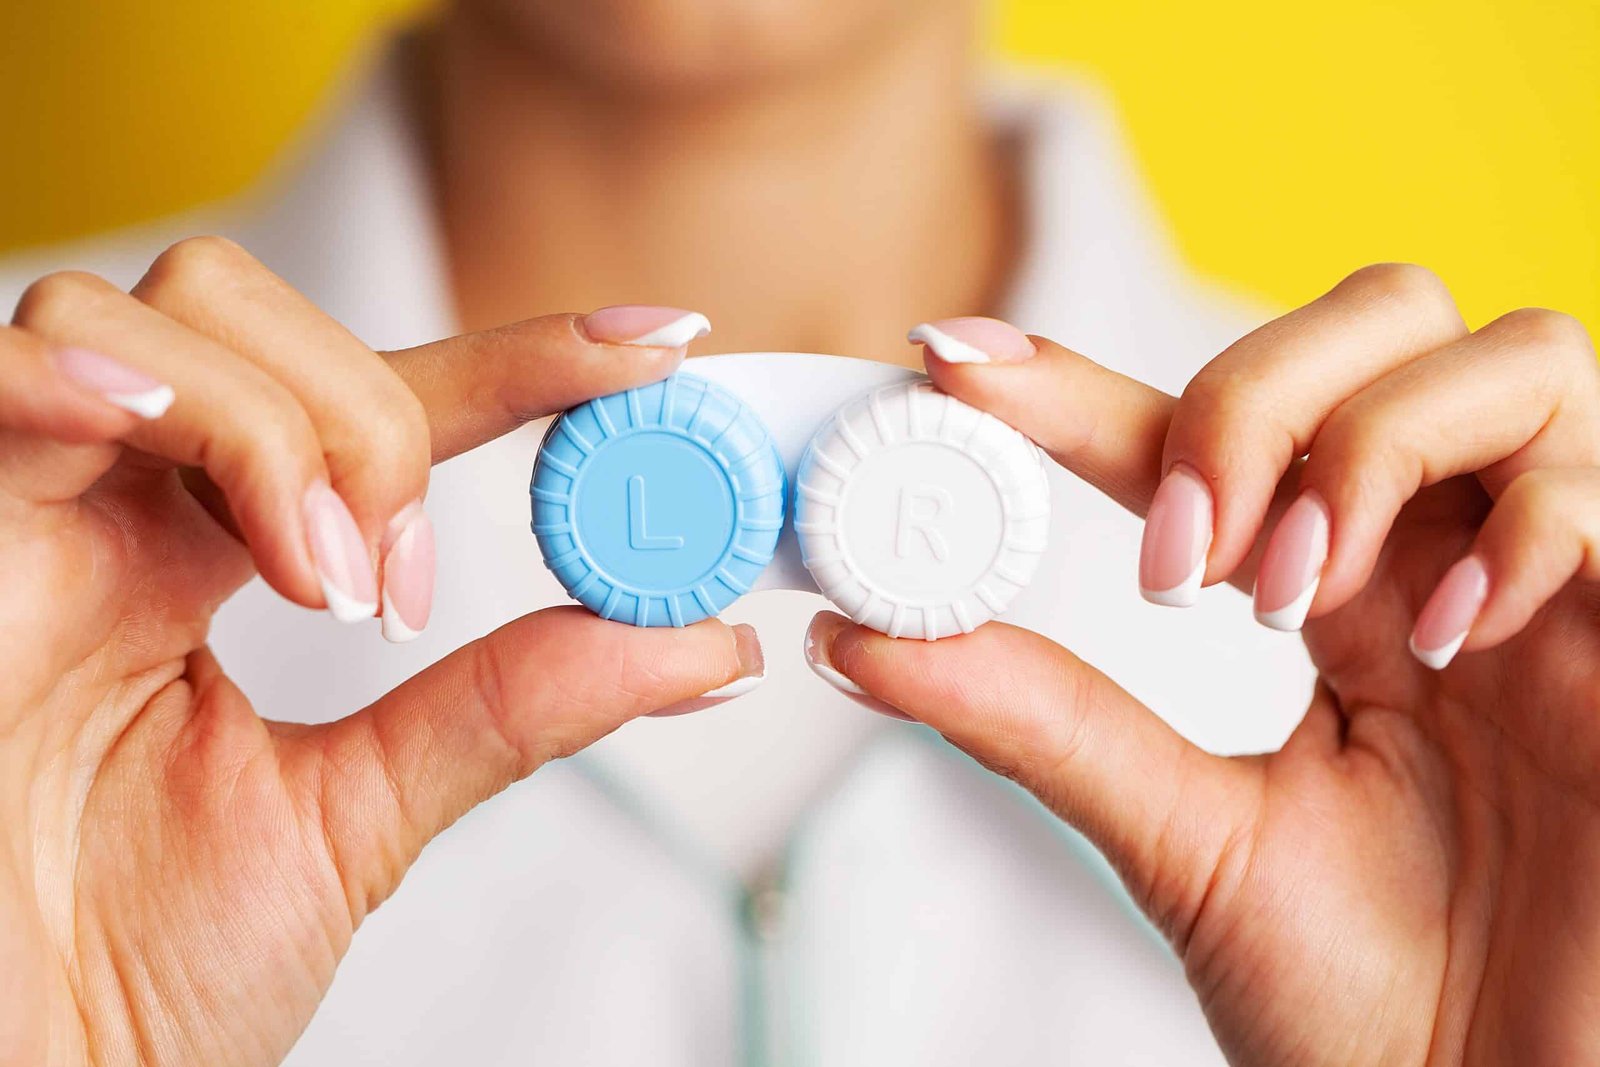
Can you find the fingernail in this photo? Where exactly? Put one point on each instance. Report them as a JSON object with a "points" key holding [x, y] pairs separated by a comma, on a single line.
{"points": [[973, 340], [752, 672], [340, 556], [115, 381], [408, 558], [1177, 536], [640, 324], [1448, 615], [818, 651], [1291, 566]]}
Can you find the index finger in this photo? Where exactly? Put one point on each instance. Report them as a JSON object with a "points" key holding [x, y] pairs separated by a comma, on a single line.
{"points": [[478, 386], [1105, 427]]}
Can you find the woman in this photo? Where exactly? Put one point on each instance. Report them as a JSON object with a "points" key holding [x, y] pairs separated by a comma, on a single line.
{"points": [[1403, 881]]}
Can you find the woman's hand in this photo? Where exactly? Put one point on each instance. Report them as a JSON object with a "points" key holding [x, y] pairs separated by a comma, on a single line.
{"points": [[178, 876], [1412, 877]]}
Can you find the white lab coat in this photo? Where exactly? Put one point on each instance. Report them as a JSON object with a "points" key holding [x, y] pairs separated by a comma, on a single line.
{"points": [[785, 879]]}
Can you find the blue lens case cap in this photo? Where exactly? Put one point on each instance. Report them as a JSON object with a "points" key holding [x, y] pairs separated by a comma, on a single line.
{"points": [[660, 505]]}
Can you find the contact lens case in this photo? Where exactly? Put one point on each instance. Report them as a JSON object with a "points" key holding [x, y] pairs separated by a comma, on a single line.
{"points": [[913, 512]]}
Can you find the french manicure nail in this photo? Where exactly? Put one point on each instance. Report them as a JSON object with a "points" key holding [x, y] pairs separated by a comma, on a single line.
{"points": [[115, 381], [340, 556], [1291, 566], [1447, 617], [1177, 536], [752, 672], [640, 324], [819, 641], [408, 565], [973, 340]]}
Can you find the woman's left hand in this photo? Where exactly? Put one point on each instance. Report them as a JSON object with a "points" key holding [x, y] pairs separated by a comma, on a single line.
{"points": [[1411, 878]]}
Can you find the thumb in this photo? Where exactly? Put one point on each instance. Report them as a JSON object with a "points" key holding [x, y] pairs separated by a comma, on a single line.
{"points": [[1163, 811], [389, 778]]}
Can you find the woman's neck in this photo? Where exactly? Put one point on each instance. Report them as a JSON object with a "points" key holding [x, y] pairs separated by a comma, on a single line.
{"points": [[827, 213]]}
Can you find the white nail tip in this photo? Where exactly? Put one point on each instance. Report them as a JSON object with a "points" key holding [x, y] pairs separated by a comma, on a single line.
{"points": [[1183, 595], [150, 404], [1438, 658], [676, 333], [343, 606], [716, 697], [395, 629], [736, 688], [834, 678], [1292, 615], [828, 674], [946, 347]]}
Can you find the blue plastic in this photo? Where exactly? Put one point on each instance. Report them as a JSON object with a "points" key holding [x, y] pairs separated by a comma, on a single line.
{"points": [[658, 506]]}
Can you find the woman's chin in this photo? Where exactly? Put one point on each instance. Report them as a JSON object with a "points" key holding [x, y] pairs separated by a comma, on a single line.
{"points": [[695, 45]]}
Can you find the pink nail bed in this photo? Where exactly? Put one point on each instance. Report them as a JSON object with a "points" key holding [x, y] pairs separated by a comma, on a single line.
{"points": [[115, 381], [408, 569], [973, 339], [1447, 617], [645, 325], [1291, 566], [340, 556], [1177, 536]]}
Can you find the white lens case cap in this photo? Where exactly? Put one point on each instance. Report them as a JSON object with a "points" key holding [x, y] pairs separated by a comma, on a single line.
{"points": [[919, 515]]}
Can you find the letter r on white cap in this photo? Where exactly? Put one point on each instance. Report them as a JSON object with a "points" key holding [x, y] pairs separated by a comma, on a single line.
{"points": [[920, 507]]}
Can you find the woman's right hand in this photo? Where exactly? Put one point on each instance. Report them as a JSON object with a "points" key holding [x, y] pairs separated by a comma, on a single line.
{"points": [[179, 876], [1409, 878]]}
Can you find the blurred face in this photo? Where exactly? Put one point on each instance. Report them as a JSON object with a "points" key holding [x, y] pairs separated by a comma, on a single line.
{"points": [[667, 45]]}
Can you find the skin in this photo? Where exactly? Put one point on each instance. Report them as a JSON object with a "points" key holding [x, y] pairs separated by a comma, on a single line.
{"points": [[693, 136], [1408, 879], [179, 876]]}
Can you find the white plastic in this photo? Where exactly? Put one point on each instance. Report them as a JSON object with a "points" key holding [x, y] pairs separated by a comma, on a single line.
{"points": [[795, 393], [919, 515]]}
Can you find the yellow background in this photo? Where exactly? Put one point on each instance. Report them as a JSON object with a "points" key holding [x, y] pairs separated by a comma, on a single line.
{"points": [[1288, 143]]}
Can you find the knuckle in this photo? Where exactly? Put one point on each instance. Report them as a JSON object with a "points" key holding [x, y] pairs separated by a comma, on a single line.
{"points": [[487, 682], [1236, 417], [1408, 282], [496, 686], [1555, 331], [206, 260], [1226, 395], [277, 430], [393, 431], [1534, 498], [1364, 452], [647, 673], [1420, 292], [59, 298], [1352, 435], [1063, 748], [398, 427]]}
